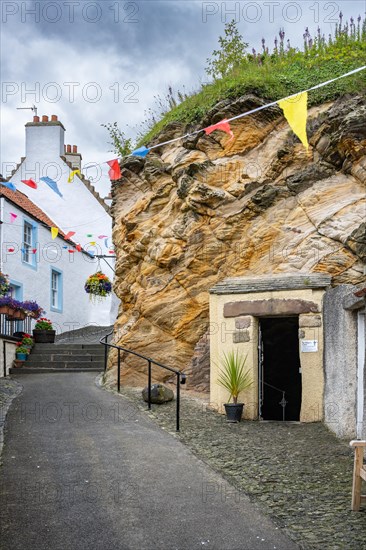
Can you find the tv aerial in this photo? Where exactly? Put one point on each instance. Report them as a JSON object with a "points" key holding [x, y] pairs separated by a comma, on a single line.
{"points": [[33, 108]]}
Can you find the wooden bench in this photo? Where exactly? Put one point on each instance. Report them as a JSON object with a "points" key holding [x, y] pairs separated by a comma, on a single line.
{"points": [[359, 474]]}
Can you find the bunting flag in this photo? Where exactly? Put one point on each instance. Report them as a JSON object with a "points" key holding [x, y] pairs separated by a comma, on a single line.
{"points": [[34, 251], [30, 183], [106, 243], [93, 243], [70, 179], [89, 235], [295, 110], [13, 217], [65, 247], [224, 125], [54, 232], [140, 152], [71, 251], [9, 185], [52, 184], [11, 249], [115, 172], [69, 235], [78, 247], [102, 236], [111, 252]]}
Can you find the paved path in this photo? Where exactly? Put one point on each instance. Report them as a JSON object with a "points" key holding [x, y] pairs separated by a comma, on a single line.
{"points": [[84, 469]]}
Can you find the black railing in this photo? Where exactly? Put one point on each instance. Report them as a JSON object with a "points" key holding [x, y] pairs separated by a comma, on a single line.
{"points": [[180, 376], [10, 326]]}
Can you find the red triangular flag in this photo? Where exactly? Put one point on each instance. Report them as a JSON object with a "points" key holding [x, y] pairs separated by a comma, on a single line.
{"points": [[224, 125], [30, 183], [78, 247], [10, 249], [72, 251], [69, 235], [34, 250], [115, 172]]}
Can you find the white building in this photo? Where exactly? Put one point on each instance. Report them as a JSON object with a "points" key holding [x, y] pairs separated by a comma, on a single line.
{"points": [[80, 210], [51, 272]]}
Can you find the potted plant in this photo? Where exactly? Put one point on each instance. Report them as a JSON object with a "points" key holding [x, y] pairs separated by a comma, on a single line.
{"points": [[235, 379], [43, 332], [32, 309], [21, 353], [7, 305], [98, 286], [27, 342]]}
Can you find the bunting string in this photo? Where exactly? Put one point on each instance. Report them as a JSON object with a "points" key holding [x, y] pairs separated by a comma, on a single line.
{"points": [[295, 113]]}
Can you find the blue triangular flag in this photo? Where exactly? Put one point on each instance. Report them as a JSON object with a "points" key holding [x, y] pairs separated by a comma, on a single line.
{"points": [[52, 184], [106, 243], [9, 185], [140, 152], [65, 247]]}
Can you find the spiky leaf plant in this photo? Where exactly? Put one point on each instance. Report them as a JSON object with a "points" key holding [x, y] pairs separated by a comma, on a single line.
{"points": [[233, 376]]}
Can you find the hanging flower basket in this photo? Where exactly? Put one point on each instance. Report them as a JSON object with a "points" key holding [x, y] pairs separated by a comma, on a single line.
{"points": [[4, 284], [98, 286]]}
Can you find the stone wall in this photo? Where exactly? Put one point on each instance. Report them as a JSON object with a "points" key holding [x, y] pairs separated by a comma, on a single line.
{"points": [[340, 363]]}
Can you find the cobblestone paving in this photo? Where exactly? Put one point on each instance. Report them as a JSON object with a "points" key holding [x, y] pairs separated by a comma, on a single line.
{"points": [[299, 474], [9, 389]]}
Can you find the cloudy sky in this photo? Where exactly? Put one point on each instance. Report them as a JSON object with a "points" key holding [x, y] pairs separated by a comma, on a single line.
{"points": [[96, 62]]}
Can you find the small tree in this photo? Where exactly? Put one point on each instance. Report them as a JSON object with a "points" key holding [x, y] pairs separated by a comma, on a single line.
{"points": [[231, 54], [122, 146]]}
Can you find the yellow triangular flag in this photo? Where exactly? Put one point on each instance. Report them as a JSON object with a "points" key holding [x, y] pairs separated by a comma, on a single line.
{"points": [[93, 243], [72, 175], [54, 232], [295, 110]]}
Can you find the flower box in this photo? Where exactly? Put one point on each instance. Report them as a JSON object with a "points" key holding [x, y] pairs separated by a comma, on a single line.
{"points": [[44, 336]]}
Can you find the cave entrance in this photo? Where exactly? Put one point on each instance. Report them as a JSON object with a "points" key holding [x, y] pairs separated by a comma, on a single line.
{"points": [[279, 369]]}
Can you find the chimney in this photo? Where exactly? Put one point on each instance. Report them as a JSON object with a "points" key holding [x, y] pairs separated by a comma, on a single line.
{"points": [[44, 140], [73, 156]]}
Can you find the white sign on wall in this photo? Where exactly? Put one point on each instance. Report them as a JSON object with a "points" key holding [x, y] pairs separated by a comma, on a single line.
{"points": [[308, 346]]}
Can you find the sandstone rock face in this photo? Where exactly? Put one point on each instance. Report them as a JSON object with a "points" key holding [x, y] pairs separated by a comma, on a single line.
{"points": [[205, 208]]}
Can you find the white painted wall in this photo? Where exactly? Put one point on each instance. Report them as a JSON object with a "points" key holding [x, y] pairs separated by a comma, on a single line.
{"points": [[78, 210], [10, 349], [77, 310]]}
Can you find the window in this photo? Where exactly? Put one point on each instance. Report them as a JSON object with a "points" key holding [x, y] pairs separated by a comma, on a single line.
{"points": [[29, 243], [56, 290]]}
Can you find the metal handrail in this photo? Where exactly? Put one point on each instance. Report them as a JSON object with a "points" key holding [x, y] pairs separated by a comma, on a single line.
{"points": [[180, 376], [283, 401]]}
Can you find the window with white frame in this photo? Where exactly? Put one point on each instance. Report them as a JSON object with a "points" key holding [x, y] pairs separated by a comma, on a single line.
{"points": [[27, 242], [56, 290]]}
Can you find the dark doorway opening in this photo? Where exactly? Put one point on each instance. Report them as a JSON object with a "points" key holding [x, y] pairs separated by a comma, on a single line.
{"points": [[279, 369]]}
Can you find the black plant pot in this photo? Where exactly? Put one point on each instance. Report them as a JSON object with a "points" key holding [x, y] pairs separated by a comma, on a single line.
{"points": [[44, 336], [233, 411]]}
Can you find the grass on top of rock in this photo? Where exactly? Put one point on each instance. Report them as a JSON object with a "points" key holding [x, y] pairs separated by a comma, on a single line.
{"points": [[272, 75]]}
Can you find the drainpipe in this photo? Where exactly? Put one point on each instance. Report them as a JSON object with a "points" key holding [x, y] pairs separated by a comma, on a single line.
{"points": [[1, 232]]}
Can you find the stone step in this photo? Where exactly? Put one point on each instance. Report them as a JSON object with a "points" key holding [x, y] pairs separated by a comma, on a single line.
{"points": [[35, 370], [66, 354], [63, 365], [68, 347], [55, 357]]}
